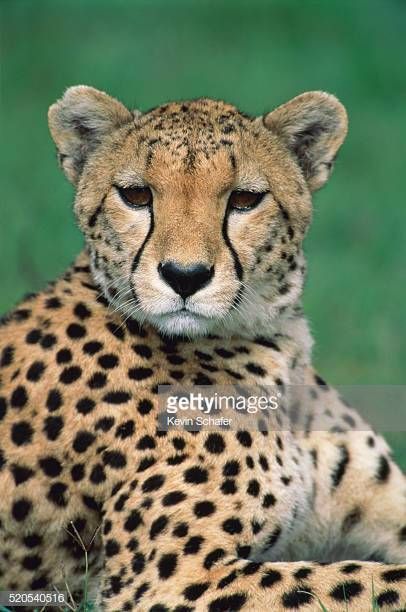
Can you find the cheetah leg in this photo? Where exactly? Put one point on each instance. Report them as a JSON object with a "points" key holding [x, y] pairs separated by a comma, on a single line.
{"points": [[360, 500], [162, 558], [360, 494]]}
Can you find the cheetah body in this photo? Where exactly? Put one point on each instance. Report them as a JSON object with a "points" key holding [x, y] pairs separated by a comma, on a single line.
{"points": [[185, 520]]}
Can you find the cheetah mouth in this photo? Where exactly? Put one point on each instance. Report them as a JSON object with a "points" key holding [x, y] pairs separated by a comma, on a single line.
{"points": [[186, 313], [183, 322]]}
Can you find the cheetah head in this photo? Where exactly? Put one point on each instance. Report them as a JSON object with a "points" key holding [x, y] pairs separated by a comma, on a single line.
{"points": [[193, 212]]}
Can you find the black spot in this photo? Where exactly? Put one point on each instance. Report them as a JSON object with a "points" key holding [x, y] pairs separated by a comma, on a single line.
{"points": [[108, 361], [31, 562], [115, 459], [91, 503], [256, 369], [92, 347], [322, 383], [167, 565], [142, 350], [50, 466], [229, 603], [224, 582], [21, 509], [196, 590], [394, 575], [232, 525], [402, 534], [53, 427], [138, 563], [77, 472], [212, 558], [297, 597], [21, 433], [56, 494], [153, 483], [387, 598], [193, 545], [141, 591], [133, 521], [145, 406], [251, 568], [339, 471], [34, 373], [97, 475], [146, 463], [117, 331], [82, 441], [350, 568], [53, 303], [268, 342], [228, 487], [120, 503], [75, 331], [173, 498], [215, 443], [272, 538], [111, 548], [104, 424], [139, 373], [157, 526], [196, 475], [39, 583], [269, 500], [253, 488], [346, 590], [85, 405], [244, 438], [54, 400], [302, 573], [117, 397], [146, 442], [48, 341], [125, 430], [97, 381], [3, 408], [231, 468], [384, 469], [21, 473], [204, 508], [63, 356], [351, 520], [32, 540], [270, 578], [19, 397], [33, 337], [70, 375], [81, 311]]}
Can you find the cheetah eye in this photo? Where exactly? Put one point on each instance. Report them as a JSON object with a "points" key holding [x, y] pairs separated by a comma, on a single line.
{"points": [[135, 197], [245, 200]]}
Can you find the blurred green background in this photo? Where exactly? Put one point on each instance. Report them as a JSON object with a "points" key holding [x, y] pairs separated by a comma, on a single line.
{"points": [[256, 54]]}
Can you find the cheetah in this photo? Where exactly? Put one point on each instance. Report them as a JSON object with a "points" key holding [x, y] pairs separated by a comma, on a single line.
{"points": [[194, 216]]}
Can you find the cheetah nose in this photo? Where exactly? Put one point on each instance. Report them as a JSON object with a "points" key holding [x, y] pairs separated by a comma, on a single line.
{"points": [[185, 280]]}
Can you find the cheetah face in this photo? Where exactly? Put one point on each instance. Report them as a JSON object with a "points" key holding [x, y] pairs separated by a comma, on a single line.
{"points": [[194, 213]]}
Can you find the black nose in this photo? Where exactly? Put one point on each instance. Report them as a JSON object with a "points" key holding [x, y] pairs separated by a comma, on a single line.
{"points": [[185, 280]]}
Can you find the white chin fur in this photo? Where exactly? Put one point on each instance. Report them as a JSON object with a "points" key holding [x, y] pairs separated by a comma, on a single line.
{"points": [[181, 324]]}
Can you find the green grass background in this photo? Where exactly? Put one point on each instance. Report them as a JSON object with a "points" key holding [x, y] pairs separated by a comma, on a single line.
{"points": [[256, 54]]}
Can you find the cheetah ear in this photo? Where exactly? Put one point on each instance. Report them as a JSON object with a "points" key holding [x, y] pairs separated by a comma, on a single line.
{"points": [[313, 126], [78, 123]]}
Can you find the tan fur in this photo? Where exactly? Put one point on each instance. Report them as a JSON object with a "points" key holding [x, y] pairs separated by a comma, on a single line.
{"points": [[188, 521]]}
